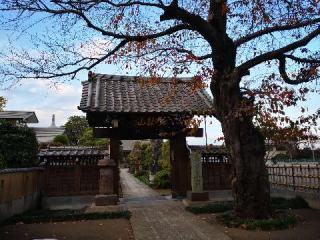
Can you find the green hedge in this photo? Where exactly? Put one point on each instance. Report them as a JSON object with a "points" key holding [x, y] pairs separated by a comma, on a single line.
{"points": [[18, 146], [162, 179], [281, 220], [39, 216]]}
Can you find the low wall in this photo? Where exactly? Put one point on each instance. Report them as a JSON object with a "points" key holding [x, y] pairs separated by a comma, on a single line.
{"points": [[20, 190]]}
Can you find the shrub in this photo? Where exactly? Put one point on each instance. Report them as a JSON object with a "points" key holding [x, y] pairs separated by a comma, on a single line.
{"points": [[141, 173], [162, 179], [38, 216], [61, 140], [281, 220], [18, 146], [217, 207]]}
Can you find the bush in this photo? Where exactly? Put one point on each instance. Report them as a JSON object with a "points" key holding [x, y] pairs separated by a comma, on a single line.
{"points": [[38, 216], [162, 179], [18, 146], [61, 140], [217, 207], [143, 176], [141, 173], [281, 220]]}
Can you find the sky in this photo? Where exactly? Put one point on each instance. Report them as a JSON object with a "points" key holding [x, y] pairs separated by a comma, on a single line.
{"points": [[63, 99]]}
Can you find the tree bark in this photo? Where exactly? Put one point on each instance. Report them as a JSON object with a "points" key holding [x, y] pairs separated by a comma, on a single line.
{"points": [[250, 182]]}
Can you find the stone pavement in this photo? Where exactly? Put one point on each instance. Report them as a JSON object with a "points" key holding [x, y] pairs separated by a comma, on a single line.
{"points": [[155, 217]]}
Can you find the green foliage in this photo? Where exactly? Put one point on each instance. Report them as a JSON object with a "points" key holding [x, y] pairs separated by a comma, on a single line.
{"points": [[143, 176], [2, 103], [144, 179], [18, 146], [61, 140], [142, 153], [217, 207], [75, 127], [141, 173], [162, 179], [164, 162], [87, 139], [278, 203], [3, 163], [281, 220], [279, 157], [38, 216]]}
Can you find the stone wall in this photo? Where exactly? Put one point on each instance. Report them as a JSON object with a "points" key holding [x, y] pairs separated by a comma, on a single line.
{"points": [[20, 190]]}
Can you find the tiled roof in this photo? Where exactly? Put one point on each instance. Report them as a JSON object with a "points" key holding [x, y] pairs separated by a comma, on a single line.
{"points": [[26, 117], [71, 151], [124, 94]]}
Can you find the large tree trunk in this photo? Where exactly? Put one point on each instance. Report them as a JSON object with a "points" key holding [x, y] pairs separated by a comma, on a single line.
{"points": [[250, 183]]}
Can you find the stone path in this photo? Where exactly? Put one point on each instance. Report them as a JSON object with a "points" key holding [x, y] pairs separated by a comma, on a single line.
{"points": [[155, 217]]}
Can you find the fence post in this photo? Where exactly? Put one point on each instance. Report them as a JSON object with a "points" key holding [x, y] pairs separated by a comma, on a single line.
{"points": [[77, 176], [293, 180]]}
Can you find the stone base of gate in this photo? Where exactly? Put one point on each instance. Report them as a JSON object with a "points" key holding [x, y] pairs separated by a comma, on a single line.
{"points": [[197, 199], [105, 200], [198, 196]]}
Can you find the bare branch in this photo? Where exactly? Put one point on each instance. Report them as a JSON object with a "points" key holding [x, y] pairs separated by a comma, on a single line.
{"points": [[275, 54], [273, 29], [303, 60], [305, 75]]}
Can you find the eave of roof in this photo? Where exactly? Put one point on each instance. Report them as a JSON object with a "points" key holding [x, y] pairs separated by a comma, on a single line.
{"points": [[126, 94], [25, 116]]}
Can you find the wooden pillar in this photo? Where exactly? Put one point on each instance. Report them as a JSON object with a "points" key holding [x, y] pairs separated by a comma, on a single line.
{"points": [[180, 166], [115, 155]]}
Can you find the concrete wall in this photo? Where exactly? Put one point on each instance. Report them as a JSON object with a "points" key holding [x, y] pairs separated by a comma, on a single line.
{"points": [[19, 190]]}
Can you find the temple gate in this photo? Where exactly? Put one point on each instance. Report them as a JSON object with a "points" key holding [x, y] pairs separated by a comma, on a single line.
{"points": [[133, 108]]}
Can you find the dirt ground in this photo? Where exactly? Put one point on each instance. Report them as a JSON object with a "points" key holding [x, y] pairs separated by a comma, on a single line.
{"points": [[308, 228], [110, 229]]}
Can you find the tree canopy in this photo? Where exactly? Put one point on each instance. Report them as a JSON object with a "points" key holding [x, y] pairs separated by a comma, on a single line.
{"points": [[75, 128], [87, 139], [2, 103], [61, 140]]}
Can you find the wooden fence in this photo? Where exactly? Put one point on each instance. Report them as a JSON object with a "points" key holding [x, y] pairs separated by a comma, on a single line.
{"points": [[64, 178], [19, 190], [216, 171], [295, 177]]}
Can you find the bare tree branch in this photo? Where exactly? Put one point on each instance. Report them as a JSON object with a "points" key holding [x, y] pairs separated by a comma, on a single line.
{"points": [[306, 75], [273, 29], [303, 60], [275, 54]]}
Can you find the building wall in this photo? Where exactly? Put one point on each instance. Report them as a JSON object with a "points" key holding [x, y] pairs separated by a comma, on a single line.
{"points": [[19, 190]]}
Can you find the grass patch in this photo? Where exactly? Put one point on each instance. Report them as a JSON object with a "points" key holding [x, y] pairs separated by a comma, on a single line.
{"points": [[163, 192], [217, 207], [281, 220], [39, 216], [277, 204]]}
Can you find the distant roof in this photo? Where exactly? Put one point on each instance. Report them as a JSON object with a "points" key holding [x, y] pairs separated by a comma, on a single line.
{"points": [[72, 151], [26, 117], [125, 94]]}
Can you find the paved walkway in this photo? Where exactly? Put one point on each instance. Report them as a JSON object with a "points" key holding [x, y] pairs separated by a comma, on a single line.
{"points": [[154, 217]]}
